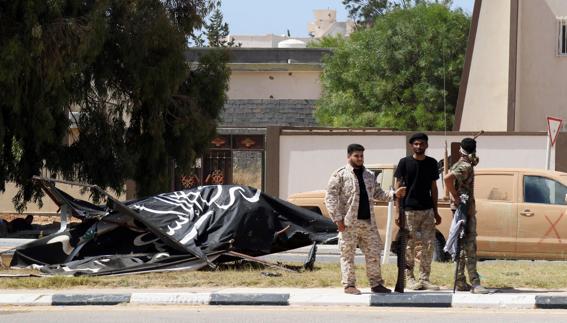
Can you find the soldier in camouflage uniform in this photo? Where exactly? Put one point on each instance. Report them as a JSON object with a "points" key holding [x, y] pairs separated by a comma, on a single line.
{"points": [[349, 201], [460, 180]]}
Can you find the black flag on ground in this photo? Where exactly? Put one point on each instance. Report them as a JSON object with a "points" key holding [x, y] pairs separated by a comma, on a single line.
{"points": [[172, 231]]}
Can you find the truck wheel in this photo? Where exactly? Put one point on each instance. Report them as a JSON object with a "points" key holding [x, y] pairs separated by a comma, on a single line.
{"points": [[438, 244]]}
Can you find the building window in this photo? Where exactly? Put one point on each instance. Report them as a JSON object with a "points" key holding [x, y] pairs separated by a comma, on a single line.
{"points": [[562, 37]]}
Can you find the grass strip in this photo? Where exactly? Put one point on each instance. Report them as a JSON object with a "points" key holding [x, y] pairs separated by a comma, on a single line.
{"points": [[494, 274]]}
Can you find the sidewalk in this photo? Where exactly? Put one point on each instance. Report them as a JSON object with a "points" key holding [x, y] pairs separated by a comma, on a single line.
{"points": [[507, 298]]}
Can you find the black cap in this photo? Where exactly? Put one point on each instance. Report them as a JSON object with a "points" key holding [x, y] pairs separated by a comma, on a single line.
{"points": [[418, 136], [468, 145]]}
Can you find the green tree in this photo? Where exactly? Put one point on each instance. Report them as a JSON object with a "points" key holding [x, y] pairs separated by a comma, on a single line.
{"points": [[364, 12], [122, 65], [214, 31], [217, 31], [394, 74]]}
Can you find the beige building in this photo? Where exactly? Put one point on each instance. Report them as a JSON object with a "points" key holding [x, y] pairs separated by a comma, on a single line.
{"points": [[515, 67], [324, 24], [270, 86], [275, 74], [262, 41]]}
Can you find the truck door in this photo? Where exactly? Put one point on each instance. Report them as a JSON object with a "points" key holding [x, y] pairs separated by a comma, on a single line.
{"points": [[542, 218], [496, 213]]}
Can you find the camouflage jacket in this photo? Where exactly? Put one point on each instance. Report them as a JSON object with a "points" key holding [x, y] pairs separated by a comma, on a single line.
{"points": [[343, 194], [464, 178]]}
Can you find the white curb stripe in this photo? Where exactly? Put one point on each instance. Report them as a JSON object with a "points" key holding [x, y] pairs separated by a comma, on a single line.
{"points": [[25, 299], [493, 301], [328, 299], [171, 298]]}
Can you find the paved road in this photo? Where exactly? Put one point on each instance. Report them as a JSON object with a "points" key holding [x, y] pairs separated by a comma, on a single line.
{"points": [[269, 314], [325, 254]]}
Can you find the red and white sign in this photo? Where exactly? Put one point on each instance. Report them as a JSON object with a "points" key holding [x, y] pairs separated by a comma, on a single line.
{"points": [[553, 126]]}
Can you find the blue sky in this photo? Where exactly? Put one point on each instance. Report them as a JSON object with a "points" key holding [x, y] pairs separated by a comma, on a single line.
{"points": [[260, 17]]}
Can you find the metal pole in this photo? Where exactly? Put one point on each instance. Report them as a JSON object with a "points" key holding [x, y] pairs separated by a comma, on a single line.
{"points": [[445, 171], [389, 224], [547, 152]]}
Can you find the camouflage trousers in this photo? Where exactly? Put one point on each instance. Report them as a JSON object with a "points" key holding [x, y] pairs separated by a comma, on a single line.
{"points": [[468, 250], [421, 226], [364, 235]]}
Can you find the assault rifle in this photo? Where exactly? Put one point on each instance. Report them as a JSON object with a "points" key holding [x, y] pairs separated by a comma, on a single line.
{"points": [[459, 226]]}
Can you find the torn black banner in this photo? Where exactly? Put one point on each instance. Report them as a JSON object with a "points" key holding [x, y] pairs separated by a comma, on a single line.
{"points": [[173, 231]]}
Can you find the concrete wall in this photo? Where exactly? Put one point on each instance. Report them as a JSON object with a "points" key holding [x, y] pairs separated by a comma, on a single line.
{"points": [[486, 102], [541, 73], [307, 161], [274, 85], [303, 159], [501, 151]]}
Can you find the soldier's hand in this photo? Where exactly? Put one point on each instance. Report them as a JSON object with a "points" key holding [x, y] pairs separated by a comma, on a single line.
{"points": [[401, 192], [340, 225], [437, 218], [457, 202]]}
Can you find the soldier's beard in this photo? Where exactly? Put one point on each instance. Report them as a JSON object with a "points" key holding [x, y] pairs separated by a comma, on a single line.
{"points": [[419, 152], [354, 165]]}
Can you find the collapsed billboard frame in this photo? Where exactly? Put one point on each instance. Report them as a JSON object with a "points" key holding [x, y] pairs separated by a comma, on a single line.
{"points": [[179, 230]]}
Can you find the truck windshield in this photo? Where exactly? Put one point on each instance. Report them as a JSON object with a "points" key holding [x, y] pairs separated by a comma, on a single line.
{"points": [[538, 189]]}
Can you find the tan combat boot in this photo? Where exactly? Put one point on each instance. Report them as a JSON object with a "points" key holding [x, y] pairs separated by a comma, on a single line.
{"points": [[411, 283], [426, 284], [352, 290], [478, 289]]}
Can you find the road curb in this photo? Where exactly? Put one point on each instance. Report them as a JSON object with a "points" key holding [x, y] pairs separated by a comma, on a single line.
{"points": [[299, 298], [322, 299], [26, 299], [411, 300], [551, 302], [170, 298], [89, 299], [249, 299]]}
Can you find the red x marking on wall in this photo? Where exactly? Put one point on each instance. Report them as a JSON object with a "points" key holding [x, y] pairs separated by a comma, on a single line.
{"points": [[552, 228]]}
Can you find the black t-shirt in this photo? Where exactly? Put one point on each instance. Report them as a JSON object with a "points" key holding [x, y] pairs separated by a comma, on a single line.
{"points": [[364, 204], [418, 176]]}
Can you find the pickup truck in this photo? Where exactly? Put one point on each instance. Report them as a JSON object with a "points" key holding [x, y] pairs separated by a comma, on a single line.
{"points": [[521, 213]]}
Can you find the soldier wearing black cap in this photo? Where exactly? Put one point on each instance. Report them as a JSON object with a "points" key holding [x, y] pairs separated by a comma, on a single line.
{"points": [[420, 174], [460, 180]]}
